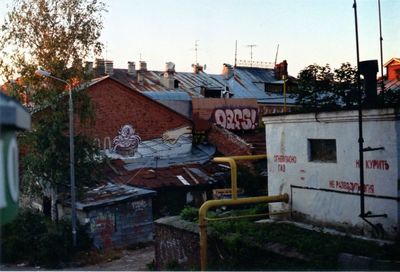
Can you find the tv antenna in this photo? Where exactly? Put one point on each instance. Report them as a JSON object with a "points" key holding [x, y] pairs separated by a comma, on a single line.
{"points": [[276, 55], [196, 48], [251, 53]]}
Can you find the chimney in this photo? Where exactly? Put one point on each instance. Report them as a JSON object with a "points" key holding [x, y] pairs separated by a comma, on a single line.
{"points": [[281, 70], [88, 67], [168, 79], [227, 71], [369, 69], [197, 68], [100, 67], [143, 66], [109, 67], [131, 68]]}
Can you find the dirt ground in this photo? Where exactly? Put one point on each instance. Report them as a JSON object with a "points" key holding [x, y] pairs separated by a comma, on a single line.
{"points": [[126, 260], [117, 260]]}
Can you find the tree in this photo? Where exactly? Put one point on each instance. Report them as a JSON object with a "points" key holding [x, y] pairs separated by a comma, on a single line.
{"points": [[319, 87], [55, 35]]}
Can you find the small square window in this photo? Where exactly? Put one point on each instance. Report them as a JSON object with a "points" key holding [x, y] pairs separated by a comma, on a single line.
{"points": [[322, 150]]}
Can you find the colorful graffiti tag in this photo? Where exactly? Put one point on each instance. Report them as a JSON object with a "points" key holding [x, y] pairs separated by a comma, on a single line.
{"points": [[236, 119]]}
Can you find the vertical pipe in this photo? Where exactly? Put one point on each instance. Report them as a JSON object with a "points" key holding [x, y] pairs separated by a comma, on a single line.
{"points": [[360, 125], [284, 93]]}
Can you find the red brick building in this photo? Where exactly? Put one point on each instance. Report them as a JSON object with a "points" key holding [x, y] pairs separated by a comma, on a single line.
{"points": [[116, 105], [393, 69]]}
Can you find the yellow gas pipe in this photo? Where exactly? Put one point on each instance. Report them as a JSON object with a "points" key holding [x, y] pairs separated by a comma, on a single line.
{"points": [[230, 202]]}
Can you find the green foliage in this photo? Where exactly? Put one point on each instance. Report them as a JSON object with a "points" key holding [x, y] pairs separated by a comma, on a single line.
{"points": [[50, 34], [252, 183], [57, 36], [320, 87], [241, 241], [35, 239], [190, 214]]}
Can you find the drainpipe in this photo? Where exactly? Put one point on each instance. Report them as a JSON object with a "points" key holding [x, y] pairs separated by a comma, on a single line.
{"points": [[232, 163], [230, 202]]}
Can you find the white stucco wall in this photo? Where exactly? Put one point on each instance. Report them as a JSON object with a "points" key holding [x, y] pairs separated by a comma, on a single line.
{"points": [[290, 171]]}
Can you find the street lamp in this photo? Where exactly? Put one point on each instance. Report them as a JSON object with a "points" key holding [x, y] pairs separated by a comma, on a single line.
{"points": [[45, 73]]}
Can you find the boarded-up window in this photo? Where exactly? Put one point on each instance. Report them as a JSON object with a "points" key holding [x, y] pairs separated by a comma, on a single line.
{"points": [[322, 150]]}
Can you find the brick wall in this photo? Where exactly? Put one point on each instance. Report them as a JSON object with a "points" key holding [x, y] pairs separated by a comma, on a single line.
{"points": [[116, 105], [227, 142], [392, 71]]}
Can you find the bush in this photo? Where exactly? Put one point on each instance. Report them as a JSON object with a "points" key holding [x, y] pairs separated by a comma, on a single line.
{"points": [[35, 239], [190, 214]]}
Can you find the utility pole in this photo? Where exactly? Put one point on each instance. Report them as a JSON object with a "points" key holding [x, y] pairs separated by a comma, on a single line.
{"points": [[381, 40]]}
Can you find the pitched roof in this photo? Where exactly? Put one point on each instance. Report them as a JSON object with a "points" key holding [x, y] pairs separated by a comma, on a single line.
{"points": [[397, 60], [249, 82]]}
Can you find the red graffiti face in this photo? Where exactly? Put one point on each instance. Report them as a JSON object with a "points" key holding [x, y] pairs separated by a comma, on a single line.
{"points": [[236, 119]]}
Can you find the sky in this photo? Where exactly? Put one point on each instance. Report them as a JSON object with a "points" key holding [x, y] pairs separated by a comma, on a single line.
{"points": [[307, 31]]}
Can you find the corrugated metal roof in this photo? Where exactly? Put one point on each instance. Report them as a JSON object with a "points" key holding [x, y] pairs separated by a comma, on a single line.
{"points": [[393, 85], [178, 95], [249, 82], [173, 176], [111, 193]]}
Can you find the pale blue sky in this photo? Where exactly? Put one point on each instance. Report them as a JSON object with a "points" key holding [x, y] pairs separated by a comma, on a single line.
{"points": [[308, 31]]}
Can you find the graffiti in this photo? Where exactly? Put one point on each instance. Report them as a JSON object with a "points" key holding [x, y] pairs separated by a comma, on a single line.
{"points": [[374, 164], [139, 205], [126, 141], [236, 119], [285, 159], [172, 136], [351, 186], [104, 224]]}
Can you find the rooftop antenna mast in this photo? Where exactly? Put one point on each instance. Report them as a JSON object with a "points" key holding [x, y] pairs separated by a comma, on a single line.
{"points": [[251, 53], [276, 55], [195, 49], [235, 53]]}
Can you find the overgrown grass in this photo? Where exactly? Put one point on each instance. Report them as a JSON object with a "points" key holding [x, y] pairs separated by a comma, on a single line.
{"points": [[240, 244]]}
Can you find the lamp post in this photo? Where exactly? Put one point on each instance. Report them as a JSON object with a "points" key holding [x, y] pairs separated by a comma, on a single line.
{"points": [[71, 149]]}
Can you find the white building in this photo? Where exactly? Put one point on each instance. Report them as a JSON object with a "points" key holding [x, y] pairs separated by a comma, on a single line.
{"points": [[314, 157]]}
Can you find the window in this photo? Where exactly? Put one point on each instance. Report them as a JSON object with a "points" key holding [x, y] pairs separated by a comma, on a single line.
{"points": [[322, 150]]}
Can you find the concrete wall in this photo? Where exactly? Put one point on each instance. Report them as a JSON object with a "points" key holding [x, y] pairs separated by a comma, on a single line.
{"points": [[327, 193], [176, 242]]}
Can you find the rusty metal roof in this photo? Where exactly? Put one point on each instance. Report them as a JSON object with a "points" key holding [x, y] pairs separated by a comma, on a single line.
{"points": [[110, 193], [173, 176], [190, 83]]}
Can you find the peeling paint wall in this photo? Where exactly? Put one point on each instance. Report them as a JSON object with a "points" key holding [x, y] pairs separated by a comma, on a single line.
{"points": [[327, 192], [121, 224]]}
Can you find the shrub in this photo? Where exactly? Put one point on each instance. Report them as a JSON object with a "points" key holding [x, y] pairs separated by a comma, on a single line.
{"points": [[189, 214], [35, 239]]}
